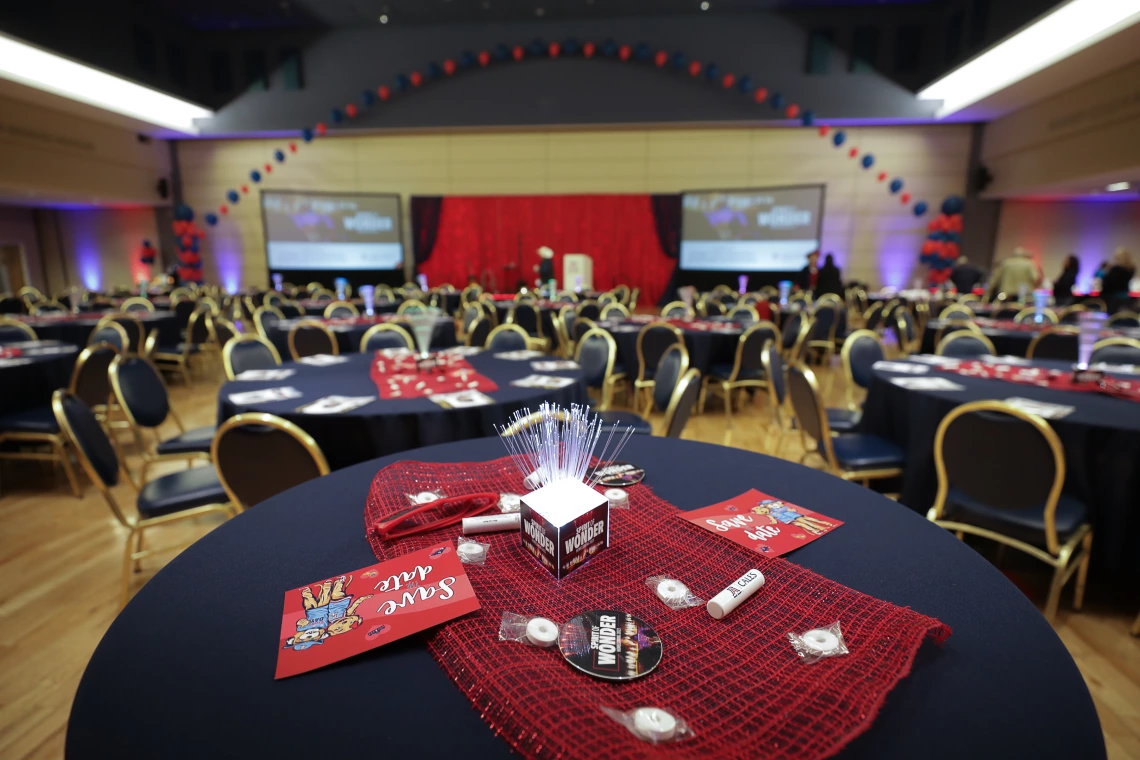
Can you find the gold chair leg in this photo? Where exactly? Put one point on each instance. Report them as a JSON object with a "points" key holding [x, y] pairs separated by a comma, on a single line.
{"points": [[127, 562], [727, 405], [138, 550], [1082, 573], [1054, 593], [65, 462], [701, 400]]}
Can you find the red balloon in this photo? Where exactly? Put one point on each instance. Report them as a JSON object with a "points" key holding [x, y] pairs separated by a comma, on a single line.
{"points": [[761, 94], [269, 168], [224, 209], [449, 66], [728, 80], [928, 247], [383, 92], [588, 49], [321, 128], [694, 68], [904, 198], [518, 53], [954, 223], [417, 78], [932, 225], [882, 176], [554, 49], [793, 111], [623, 52], [661, 58], [187, 241], [949, 250], [853, 152], [350, 109], [823, 130], [484, 58], [245, 188], [292, 147]]}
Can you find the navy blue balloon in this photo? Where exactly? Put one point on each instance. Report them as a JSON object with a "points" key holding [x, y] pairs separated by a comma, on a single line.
{"points": [[232, 196], [953, 205], [146, 244], [536, 47], [776, 100], [920, 208], [467, 59], [434, 70], [403, 84], [678, 60], [868, 161], [211, 219], [807, 118], [712, 72], [501, 52], [896, 185], [279, 155], [838, 138], [184, 213], [307, 135], [642, 52], [571, 46], [255, 175], [952, 237], [194, 245], [744, 84], [367, 97], [609, 49], [336, 116]]}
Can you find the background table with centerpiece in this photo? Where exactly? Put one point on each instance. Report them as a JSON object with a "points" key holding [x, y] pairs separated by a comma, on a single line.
{"points": [[349, 331], [76, 329], [988, 691], [710, 341], [1013, 339], [30, 371]]}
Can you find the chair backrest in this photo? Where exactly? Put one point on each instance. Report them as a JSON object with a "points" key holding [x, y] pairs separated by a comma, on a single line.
{"points": [[744, 313], [749, 359], [480, 329], [677, 310], [965, 343], [197, 329], [773, 362], [90, 381], [1002, 457], [320, 295], [90, 443], [589, 310], [471, 312], [807, 406], [341, 309], [273, 299], [507, 338], [222, 329], [259, 455], [265, 317], [182, 311], [1116, 351], [412, 307], [1071, 314], [681, 404], [526, 316], [1096, 304], [710, 307], [525, 297], [309, 337], [824, 319], [248, 352], [386, 335], [15, 331], [652, 342], [873, 316], [614, 310], [136, 333], [1124, 319], [137, 303], [596, 354], [566, 296], [1007, 312], [111, 332], [607, 298], [673, 365], [791, 329], [1057, 342], [860, 352], [581, 326], [140, 391], [49, 307], [1029, 314]]}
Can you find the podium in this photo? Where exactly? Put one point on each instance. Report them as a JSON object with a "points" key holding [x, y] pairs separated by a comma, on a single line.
{"points": [[575, 265]]}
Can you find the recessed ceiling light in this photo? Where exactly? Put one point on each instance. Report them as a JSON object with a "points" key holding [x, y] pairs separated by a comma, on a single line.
{"points": [[383, 18], [1116, 187], [540, 12], [705, 6]]}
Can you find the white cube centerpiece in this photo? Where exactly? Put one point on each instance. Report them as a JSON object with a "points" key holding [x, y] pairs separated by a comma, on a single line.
{"points": [[564, 525]]}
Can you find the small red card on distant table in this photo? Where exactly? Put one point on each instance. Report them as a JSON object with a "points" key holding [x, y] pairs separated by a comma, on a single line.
{"points": [[339, 617], [763, 523]]}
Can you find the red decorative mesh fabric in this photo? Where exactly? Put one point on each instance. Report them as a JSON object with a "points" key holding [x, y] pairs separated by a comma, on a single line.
{"points": [[736, 681], [1045, 378], [397, 376]]}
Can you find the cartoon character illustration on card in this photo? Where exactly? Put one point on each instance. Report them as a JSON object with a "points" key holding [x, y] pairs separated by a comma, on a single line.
{"points": [[331, 613], [779, 512]]}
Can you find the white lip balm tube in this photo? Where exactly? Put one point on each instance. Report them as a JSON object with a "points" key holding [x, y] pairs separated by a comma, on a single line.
{"points": [[491, 523], [729, 599]]}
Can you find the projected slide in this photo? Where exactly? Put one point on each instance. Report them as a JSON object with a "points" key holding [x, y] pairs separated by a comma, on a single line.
{"points": [[329, 231], [761, 230]]}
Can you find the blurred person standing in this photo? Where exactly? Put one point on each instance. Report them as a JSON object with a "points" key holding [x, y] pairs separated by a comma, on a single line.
{"points": [[965, 275], [1015, 274]]}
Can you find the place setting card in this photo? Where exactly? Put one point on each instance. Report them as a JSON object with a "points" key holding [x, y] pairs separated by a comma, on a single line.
{"points": [[50, 350], [908, 368], [462, 350], [335, 404], [1119, 369], [264, 374], [517, 356], [14, 362], [1015, 361], [554, 366], [927, 384], [548, 382], [933, 360], [1041, 408], [462, 399], [322, 360], [264, 395]]}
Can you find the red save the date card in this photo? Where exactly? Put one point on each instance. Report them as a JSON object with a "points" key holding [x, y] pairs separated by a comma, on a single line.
{"points": [[763, 523], [343, 616]]}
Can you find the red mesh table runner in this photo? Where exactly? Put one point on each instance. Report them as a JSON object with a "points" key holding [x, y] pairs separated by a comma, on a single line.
{"points": [[397, 376], [1056, 379], [736, 681]]}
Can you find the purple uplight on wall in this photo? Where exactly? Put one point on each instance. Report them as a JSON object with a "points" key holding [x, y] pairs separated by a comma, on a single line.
{"points": [[90, 269], [227, 258]]}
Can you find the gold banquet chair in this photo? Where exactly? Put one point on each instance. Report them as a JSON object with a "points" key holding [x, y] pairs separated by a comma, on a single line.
{"points": [[260, 455], [309, 337], [248, 351], [653, 341], [386, 335], [596, 354], [983, 491]]}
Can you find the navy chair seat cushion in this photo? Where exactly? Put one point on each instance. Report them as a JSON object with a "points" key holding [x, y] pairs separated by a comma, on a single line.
{"points": [[39, 419], [179, 491], [1026, 525], [843, 420], [859, 451], [177, 349], [724, 371], [624, 418], [192, 441]]}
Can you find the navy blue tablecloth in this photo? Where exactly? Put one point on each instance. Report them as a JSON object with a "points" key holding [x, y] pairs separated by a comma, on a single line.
{"points": [[388, 426], [27, 381], [706, 347], [77, 329], [205, 628], [317, 308], [1006, 342], [1101, 439], [348, 336]]}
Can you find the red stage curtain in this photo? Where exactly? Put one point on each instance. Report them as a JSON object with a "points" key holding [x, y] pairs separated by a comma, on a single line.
{"points": [[481, 234]]}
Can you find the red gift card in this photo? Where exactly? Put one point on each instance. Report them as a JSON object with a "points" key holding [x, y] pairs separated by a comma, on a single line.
{"points": [[343, 616], [763, 523]]}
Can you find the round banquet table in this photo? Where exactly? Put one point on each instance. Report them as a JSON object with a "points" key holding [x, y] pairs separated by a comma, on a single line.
{"points": [[706, 347], [388, 426], [76, 329], [1101, 438], [317, 308], [1010, 341], [29, 380], [204, 629], [349, 332]]}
